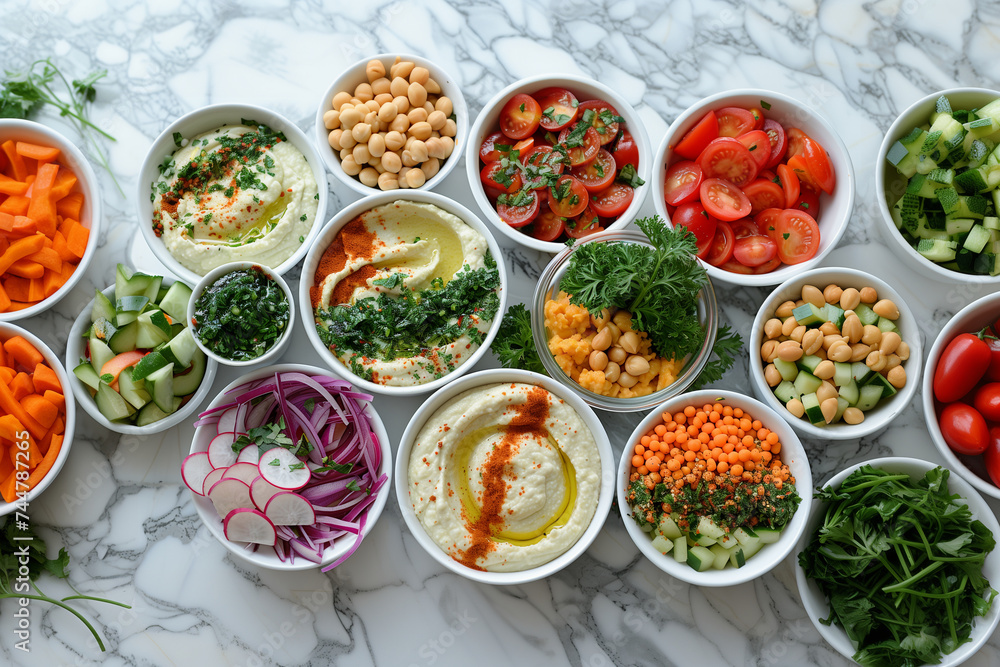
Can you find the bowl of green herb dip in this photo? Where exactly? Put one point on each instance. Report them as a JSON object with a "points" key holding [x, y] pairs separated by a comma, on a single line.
{"points": [[241, 314]]}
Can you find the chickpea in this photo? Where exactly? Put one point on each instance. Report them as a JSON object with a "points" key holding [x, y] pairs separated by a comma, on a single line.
{"points": [[417, 94], [850, 298], [785, 309], [388, 181], [612, 372], [431, 167], [839, 351], [392, 162], [331, 119], [622, 320], [419, 75], [402, 103], [896, 376], [437, 119], [448, 144], [617, 355], [860, 351], [829, 409], [629, 342], [903, 351], [616, 333], [871, 334], [890, 343], [797, 333], [829, 329], [795, 407], [400, 124], [334, 139], [868, 295], [417, 115], [875, 361], [381, 86], [387, 112], [369, 176], [825, 391], [627, 380], [832, 293], [598, 360], [433, 87], [340, 99], [772, 328], [892, 361], [349, 118], [788, 326], [852, 328], [637, 365], [376, 145], [415, 178], [812, 341], [789, 350], [811, 294], [408, 159], [374, 70], [853, 416], [350, 166], [444, 105], [886, 308], [394, 140], [362, 132], [769, 351], [771, 375], [421, 130], [401, 69], [824, 370], [450, 128], [364, 92], [602, 340], [401, 176], [435, 148]]}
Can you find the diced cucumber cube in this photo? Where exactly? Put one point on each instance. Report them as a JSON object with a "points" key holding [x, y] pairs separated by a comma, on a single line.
{"points": [[785, 391], [700, 558], [787, 369], [842, 373], [768, 535], [808, 362], [721, 557], [806, 383], [662, 544], [865, 314], [669, 527], [680, 549], [850, 392], [813, 412], [870, 395]]}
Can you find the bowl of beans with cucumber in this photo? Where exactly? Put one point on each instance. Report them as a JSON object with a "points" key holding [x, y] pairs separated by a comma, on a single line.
{"points": [[714, 488], [938, 173], [242, 314], [836, 352]]}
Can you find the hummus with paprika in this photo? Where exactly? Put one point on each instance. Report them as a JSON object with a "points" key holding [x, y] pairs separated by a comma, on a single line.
{"points": [[505, 477], [237, 193]]}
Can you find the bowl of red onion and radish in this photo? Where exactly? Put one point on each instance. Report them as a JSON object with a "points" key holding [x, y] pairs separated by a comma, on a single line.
{"points": [[289, 467], [834, 209]]}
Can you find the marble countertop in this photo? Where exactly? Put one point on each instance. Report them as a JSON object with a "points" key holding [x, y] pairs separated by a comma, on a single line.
{"points": [[119, 506]]}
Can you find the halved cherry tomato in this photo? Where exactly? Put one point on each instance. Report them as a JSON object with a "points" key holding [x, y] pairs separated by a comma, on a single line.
{"points": [[809, 202], [818, 165], [789, 184], [598, 174], [723, 200], [586, 152], [612, 202], [964, 429], [524, 147], [797, 164], [767, 221], [681, 183], [767, 267], [488, 151], [495, 176], [626, 152], [987, 401], [758, 116], [960, 367], [732, 266], [568, 197], [759, 145], [764, 194], [540, 164], [796, 145], [547, 226], [520, 117], [721, 250], [729, 159], [584, 224], [992, 455], [754, 250], [605, 116], [559, 107], [695, 219], [744, 227], [695, 140], [779, 142], [797, 236], [519, 216], [734, 121]]}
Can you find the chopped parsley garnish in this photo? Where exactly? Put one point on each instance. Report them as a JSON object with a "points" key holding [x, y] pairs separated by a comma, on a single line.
{"points": [[241, 315], [766, 106], [575, 136], [270, 436], [520, 198], [629, 176], [178, 139]]}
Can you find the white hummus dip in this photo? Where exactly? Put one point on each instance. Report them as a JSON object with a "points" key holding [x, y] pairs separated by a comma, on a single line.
{"points": [[402, 246], [237, 193], [505, 477]]}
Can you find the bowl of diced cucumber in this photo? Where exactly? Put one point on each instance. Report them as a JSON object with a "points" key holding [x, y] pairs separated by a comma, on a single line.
{"points": [[938, 177], [136, 367], [836, 352]]}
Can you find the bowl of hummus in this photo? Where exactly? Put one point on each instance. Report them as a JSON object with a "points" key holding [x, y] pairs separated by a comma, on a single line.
{"points": [[402, 292], [504, 476], [230, 183]]}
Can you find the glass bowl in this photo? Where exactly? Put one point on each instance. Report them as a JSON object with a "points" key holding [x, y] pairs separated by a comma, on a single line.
{"points": [[548, 286]]}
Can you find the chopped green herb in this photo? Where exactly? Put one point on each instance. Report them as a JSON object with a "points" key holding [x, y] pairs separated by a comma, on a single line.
{"points": [[178, 139], [766, 106], [242, 314], [629, 176]]}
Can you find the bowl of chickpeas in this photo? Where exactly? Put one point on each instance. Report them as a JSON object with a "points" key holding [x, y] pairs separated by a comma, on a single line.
{"points": [[392, 122], [609, 362], [836, 352]]}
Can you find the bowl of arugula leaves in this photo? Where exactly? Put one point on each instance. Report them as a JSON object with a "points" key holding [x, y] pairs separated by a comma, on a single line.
{"points": [[626, 319], [898, 563]]}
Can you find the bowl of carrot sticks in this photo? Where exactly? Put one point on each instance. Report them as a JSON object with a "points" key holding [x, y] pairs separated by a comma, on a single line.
{"points": [[37, 417], [50, 215]]}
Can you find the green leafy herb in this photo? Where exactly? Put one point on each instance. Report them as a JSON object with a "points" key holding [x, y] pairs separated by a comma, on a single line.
{"points": [[513, 345], [766, 106], [242, 314], [107, 378], [520, 198], [575, 136], [556, 118], [901, 563], [20, 548], [24, 92], [178, 139], [658, 285], [333, 466], [270, 436], [629, 176]]}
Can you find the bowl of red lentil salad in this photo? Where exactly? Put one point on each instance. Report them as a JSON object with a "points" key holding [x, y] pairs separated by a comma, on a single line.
{"points": [[370, 315], [205, 119], [722, 455]]}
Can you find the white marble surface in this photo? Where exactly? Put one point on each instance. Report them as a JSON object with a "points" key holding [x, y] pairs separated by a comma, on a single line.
{"points": [[119, 507]]}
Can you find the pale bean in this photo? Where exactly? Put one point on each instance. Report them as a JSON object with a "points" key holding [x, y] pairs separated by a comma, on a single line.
{"points": [[825, 391], [417, 115], [403, 171], [392, 162], [602, 340], [444, 105], [361, 154], [421, 130], [450, 129], [417, 94], [832, 293], [415, 178], [369, 176], [437, 119], [788, 326], [825, 370], [811, 294], [871, 334], [394, 139], [387, 112], [617, 354], [340, 99], [829, 329], [892, 361], [402, 103], [769, 351], [331, 119], [852, 328], [349, 118], [382, 99], [366, 107], [875, 361], [636, 365], [795, 407], [419, 75], [903, 350], [350, 166], [598, 360], [889, 343], [364, 92], [345, 152], [433, 87], [772, 328], [868, 295], [785, 309], [886, 308], [789, 350], [831, 340], [860, 351], [334, 139], [829, 408], [627, 380], [853, 416], [616, 333], [896, 376], [400, 124], [435, 148], [361, 132], [612, 372], [629, 341], [429, 107], [376, 145], [388, 181], [771, 375], [431, 167], [381, 86], [850, 298], [401, 69], [408, 159], [375, 69], [797, 333], [839, 351]]}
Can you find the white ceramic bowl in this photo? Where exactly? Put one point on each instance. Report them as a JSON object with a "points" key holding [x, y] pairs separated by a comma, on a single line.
{"points": [[349, 80], [548, 285], [204, 120], [279, 346], [792, 454], [970, 319], [585, 89], [265, 556], [881, 415], [815, 602], [889, 185], [8, 330], [489, 377], [90, 214], [835, 210], [330, 231], [76, 350]]}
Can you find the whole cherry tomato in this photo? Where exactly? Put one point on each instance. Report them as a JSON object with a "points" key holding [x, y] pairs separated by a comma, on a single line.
{"points": [[993, 372], [964, 429], [962, 364], [992, 455], [987, 401]]}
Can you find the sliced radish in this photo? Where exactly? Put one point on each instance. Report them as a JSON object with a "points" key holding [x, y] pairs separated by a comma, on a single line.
{"points": [[194, 469], [249, 525], [249, 454], [211, 478], [287, 508], [227, 420], [283, 469], [261, 491], [220, 450], [245, 472], [228, 494]]}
